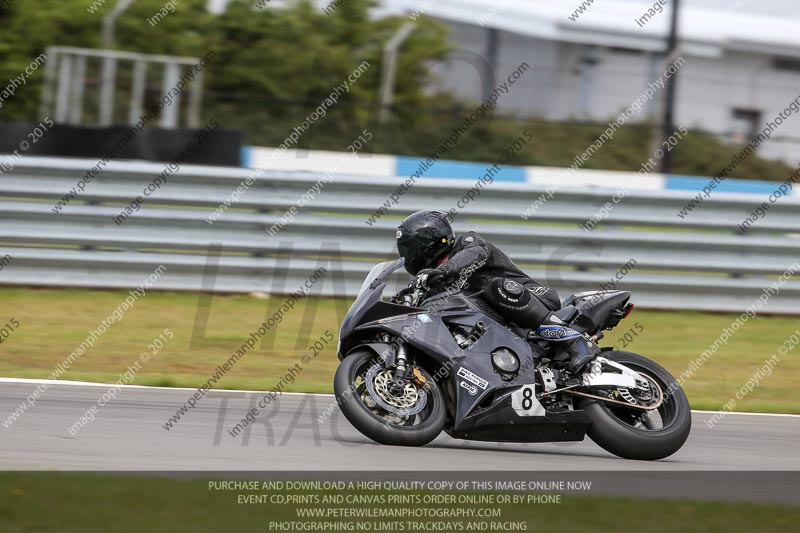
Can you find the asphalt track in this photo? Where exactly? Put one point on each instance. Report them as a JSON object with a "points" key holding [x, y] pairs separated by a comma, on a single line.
{"points": [[128, 434]]}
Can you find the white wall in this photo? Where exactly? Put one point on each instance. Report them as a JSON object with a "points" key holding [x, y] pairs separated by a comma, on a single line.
{"points": [[709, 89]]}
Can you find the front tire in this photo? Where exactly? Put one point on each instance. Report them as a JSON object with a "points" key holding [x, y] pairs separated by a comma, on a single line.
{"points": [[417, 430], [621, 431]]}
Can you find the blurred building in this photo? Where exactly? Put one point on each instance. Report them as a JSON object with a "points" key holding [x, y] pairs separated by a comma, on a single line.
{"points": [[742, 59]]}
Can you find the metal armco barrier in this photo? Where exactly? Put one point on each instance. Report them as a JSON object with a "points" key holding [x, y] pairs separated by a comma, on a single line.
{"points": [[700, 262]]}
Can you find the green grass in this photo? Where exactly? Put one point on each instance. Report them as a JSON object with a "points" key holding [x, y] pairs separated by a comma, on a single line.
{"points": [[87, 503], [55, 321]]}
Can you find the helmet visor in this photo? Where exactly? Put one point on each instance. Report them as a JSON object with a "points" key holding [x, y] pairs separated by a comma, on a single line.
{"points": [[415, 253]]}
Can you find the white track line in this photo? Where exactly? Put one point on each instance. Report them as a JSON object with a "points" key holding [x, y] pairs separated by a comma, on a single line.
{"points": [[745, 413], [92, 384]]}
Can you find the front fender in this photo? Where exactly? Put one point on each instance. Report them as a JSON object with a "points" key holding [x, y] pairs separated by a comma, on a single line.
{"points": [[383, 350]]}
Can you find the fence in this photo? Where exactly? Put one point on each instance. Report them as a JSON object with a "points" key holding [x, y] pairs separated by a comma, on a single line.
{"points": [[699, 262]]}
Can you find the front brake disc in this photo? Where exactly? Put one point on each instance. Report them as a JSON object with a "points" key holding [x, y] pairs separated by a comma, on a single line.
{"points": [[412, 402]]}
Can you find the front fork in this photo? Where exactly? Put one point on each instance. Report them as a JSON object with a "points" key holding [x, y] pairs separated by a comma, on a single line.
{"points": [[400, 369]]}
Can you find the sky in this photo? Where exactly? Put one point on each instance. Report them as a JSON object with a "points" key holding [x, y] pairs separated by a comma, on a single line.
{"points": [[778, 8]]}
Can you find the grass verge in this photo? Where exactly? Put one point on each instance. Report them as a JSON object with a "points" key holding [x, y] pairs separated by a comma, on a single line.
{"points": [[54, 322], [81, 503]]}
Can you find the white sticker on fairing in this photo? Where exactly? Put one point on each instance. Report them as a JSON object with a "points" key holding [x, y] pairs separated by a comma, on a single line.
{"points": [[524, 402], [469, 388], [392, 319], [472, 378]]}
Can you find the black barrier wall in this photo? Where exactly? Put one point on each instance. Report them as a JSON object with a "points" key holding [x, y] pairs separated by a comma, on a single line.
{"points": [[221, 147]]}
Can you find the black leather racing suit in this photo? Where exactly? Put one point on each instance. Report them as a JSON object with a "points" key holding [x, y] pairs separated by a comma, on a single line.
{"points": [[474, 262]]}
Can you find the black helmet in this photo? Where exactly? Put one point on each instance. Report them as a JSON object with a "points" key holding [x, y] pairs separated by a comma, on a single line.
{"points": [[423, 238]]}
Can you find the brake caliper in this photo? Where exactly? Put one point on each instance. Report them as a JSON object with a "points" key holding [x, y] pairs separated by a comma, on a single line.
{"points": [[419, 379]]}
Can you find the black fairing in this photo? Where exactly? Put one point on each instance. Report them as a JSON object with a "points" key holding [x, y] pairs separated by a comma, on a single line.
{"points": [[596, 309], [369, 301], [482, 409]]}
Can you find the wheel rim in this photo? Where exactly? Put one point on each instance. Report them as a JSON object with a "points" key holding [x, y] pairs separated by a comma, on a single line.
{"points": [[655, 420], [379, 382], [419, 411]]}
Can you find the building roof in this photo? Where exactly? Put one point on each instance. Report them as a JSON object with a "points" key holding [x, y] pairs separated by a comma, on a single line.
{"points": [[705, 29]]}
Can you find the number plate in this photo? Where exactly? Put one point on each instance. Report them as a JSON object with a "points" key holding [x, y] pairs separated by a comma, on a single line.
{"points": [[524, 402]]}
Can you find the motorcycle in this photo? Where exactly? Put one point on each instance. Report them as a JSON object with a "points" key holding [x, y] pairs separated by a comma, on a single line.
{"points": [[424, 361]]}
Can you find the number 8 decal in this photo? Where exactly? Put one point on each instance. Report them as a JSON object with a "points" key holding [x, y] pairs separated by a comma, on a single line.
{"points": [[527, 398], [524, 401]]}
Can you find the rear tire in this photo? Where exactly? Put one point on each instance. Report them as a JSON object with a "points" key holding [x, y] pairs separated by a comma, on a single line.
{"points": [[374, 427], [623, 440]]}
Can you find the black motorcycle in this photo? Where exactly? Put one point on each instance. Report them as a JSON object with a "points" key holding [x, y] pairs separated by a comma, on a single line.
{"points": [[416, 364]]}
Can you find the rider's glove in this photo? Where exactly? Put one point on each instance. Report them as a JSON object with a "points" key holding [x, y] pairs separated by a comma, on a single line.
{"points": [[438, 274], [397, 298]]}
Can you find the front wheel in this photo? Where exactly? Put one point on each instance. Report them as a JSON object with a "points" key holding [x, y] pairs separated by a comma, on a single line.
{"points": [[636, 434], [413, 418]]}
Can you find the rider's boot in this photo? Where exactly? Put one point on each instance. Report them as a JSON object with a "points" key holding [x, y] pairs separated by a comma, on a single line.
{"points": [[582, 351]]}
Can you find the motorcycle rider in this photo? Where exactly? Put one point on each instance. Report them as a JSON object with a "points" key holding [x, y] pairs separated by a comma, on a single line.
{"points": [[426, 240]]}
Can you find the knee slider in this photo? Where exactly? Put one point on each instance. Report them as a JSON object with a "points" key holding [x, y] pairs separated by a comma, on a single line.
{"points": [[514, 302]]}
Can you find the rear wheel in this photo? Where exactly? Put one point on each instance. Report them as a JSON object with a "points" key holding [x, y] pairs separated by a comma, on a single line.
{"points": [[413, 418], [636, 434]]}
